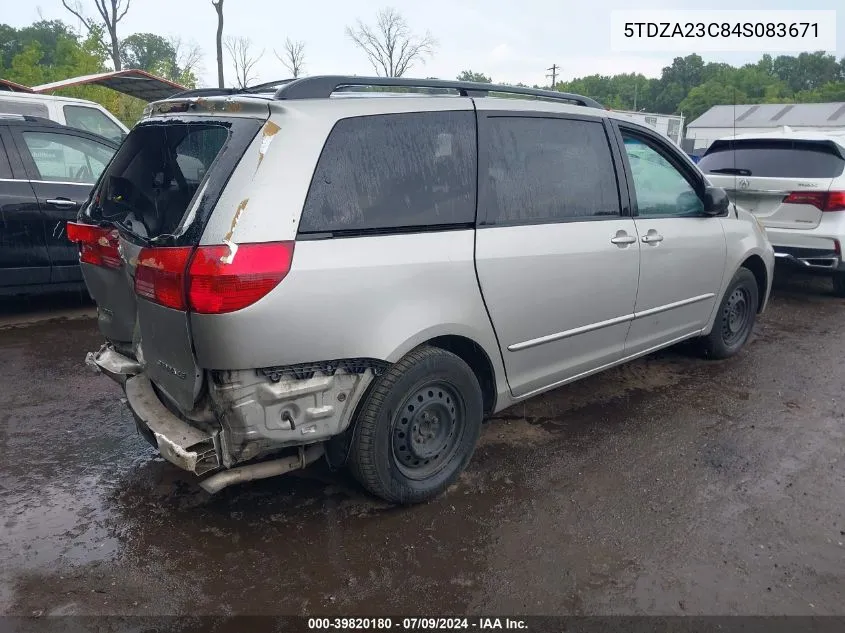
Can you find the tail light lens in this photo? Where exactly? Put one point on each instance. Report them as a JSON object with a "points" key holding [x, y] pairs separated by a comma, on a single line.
{"points": [[160, 275], [824, 200], [207, 279], [97, 246], [216, 287]]}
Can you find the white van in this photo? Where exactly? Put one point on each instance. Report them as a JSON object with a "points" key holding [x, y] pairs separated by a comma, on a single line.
{"points": [[77, 113]]}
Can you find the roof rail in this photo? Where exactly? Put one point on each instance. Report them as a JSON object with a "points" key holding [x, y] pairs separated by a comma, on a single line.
{"points": [[322, 87], [270, 86], [204, 92]]}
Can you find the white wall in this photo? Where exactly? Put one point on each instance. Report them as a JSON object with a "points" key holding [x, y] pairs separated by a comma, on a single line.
{"points": [[704, 136]]}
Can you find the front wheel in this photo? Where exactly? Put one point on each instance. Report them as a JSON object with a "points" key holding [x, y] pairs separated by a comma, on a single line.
{"points": [[418, 428], [735, 318]]}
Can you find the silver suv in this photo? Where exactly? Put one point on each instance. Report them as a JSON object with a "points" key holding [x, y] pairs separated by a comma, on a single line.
{"points": [[293, 273]]}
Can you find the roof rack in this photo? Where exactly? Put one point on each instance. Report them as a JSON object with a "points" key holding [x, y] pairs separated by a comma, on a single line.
{"points": [[205, 92], [322, 87], [269, 87]]}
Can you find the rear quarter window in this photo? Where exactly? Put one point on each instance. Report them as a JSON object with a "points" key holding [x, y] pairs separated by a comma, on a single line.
{"points": [[773, 159], [394, 171]]}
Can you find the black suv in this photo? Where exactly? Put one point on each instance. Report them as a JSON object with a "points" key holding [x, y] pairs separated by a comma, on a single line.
{"points": [[46, 173]]}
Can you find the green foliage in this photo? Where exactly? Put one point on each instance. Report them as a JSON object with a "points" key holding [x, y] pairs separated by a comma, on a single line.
{"points": [[690, 86], [149, 52], [468, 75]]}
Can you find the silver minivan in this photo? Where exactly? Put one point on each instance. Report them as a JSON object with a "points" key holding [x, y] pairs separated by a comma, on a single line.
{"points": [[291, 273]]}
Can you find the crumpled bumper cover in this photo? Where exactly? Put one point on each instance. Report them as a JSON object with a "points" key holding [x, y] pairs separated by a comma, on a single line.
{"points": [[178, 442]]}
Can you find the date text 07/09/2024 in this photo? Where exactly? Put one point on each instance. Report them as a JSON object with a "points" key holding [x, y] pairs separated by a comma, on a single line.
{"points": [[416, 624]]}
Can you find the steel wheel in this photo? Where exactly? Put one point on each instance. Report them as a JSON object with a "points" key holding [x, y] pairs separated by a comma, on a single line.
{"points": [[734, 319], [427, 430], [735, 316], [418, 426]]}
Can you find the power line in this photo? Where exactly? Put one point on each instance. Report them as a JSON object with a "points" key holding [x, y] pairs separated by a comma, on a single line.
{"points": [[553, 74]]}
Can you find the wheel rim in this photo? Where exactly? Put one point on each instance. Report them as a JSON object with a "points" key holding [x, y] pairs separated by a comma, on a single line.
{"points": [[427, 430], [736, 316]]}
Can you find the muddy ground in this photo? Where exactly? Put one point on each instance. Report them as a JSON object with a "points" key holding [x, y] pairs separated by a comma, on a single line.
{"points": [[668, 486]]}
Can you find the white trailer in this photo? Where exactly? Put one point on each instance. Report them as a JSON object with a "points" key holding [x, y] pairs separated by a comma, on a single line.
{"points": [[670, 125]]}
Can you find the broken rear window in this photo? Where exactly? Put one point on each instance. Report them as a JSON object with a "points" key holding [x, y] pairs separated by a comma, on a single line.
{"points": [[158, 171]]}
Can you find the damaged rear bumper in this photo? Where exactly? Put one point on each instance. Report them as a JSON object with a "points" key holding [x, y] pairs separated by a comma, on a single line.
{"points": [[182, 444], [178, 442], [205, 447]]}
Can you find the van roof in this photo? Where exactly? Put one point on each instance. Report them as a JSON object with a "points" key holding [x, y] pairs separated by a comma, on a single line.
{"points": [[30, 96]]}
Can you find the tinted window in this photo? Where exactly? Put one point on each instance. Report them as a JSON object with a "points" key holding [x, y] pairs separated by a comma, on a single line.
{"points": [[660, 189], [29, 108], [92, 120], [395, 170], [772, 159], [67, 158], [548, 170], [5, 167]]}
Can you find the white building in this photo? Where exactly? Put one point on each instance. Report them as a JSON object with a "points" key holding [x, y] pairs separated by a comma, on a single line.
{"points": [[670, 125], [727, 120]]}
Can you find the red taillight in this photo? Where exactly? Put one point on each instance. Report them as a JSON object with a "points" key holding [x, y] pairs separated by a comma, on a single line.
{"points": [[216, 287], [213, 282], [160, 275], [835, 201], [97, 246], [824, 200]]}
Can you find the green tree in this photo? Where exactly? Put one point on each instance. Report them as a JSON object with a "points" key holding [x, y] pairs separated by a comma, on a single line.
{"points": [[149, 52], [703, 97], [807, 71], [25, 67], [469, 75]]}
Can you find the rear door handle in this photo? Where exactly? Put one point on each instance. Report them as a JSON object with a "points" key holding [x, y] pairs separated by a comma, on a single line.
{"points": [[62, 203], [623, 238], [652, 238]]}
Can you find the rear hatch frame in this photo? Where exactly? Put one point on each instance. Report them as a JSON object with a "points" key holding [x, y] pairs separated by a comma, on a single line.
{"points": [[160, 336]]}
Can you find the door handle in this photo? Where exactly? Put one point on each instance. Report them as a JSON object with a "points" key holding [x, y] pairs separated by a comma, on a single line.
{"points": [[623, 238], [652, 238], [62, 203]]}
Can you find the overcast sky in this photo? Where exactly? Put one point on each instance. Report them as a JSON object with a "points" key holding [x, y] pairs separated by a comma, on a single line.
{"points": [[509, 40]]}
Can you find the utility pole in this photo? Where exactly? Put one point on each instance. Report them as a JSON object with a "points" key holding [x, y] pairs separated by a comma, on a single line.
{"points": [[553, 75], [635, 97]]}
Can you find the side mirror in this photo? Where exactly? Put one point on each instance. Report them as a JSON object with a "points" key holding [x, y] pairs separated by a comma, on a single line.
{"points": [[716, 201]]}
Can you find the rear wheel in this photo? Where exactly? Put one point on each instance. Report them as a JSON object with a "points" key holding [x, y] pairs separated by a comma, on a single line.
{"points": [[418, 428], [735, 318], [839, 284]]}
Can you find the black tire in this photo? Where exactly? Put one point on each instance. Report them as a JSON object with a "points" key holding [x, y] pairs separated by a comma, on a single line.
{"points": [[839, 284], [734, 320], [418, 427]]}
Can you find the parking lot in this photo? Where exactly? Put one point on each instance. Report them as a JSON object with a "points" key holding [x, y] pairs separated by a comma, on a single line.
{"points": [[667, 486]]}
